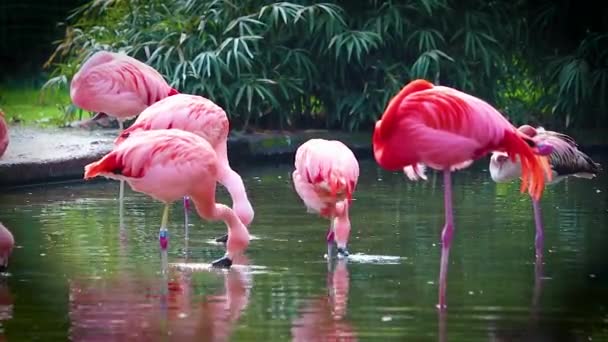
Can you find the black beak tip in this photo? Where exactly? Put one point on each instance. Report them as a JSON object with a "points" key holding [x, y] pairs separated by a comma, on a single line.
{"points": [[224, 262], [222, 239], [343, 252]]}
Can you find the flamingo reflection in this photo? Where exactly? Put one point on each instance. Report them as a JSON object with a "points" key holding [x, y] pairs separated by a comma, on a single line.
{"points": [[6, 306], [135, 309], [324, 318]]}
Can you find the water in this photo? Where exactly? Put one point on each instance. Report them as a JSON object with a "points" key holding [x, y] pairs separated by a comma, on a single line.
{"points": [[76, 275]]}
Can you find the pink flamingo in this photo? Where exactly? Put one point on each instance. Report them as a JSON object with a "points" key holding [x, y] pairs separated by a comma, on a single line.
{"points": [[120, 86], [201, 116], [447, 130], [565, 160], [3, 134], [324, 318], [7, 242], [325, 178], [167, 165]]}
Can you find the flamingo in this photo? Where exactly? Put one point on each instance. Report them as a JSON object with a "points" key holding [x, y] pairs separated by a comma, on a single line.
{"points": [[167, 165], [447, 130], [325, 178], [565, 160], [7, 242], [120, 86], [201, 116], [3, 134]]}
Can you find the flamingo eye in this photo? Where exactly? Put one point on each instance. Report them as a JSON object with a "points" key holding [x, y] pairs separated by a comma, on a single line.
{"points": [[125, 135]]}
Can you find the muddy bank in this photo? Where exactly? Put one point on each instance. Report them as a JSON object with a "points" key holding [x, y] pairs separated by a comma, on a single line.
{"points": [[37, 155]]}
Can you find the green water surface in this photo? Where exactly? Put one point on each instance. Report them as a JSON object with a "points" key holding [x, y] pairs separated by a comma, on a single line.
{"points": [[76, 275]]}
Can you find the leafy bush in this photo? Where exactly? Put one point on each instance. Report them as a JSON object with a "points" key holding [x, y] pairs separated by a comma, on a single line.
{"points": [[334, 64]]}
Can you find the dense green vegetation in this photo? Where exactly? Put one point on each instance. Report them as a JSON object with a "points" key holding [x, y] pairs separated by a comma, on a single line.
{"points": [[336, 64]]}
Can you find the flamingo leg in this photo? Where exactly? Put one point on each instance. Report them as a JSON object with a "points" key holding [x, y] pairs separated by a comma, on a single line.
{"points": [[163, 239], [446, 237], [538, 219], [330, 239], [121, 191], [186, 228]]}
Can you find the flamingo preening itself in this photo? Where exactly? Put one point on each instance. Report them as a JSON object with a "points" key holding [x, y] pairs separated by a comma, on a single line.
{"points": [[565, 160], [3, 134], [446, 129], [325, 178], [204, 118], [118, 85], [168, 165]]}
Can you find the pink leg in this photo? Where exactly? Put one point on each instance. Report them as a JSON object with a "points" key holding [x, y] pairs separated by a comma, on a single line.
{"points": [[446, 237], [539, 238], [186, 209]]}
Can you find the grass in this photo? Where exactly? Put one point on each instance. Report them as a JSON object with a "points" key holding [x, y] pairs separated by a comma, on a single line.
{"points": [[31, 106]]}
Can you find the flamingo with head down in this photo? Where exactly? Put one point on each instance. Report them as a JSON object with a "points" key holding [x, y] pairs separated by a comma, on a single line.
{"points": [[201, 116], [325, 178], [167, 165]]}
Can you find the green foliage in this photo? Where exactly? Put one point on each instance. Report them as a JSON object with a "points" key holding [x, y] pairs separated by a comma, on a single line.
{"points": [[337, 64]]}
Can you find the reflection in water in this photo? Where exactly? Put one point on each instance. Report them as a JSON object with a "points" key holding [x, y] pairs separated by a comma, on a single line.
{"points": [[131, 308], [6, 305], [324, 318]]}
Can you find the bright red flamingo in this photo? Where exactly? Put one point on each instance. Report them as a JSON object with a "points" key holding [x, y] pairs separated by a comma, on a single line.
{"points": [[325, 178], [7, 242], [447, 130], [168, 165], [566, 160], [120, 86], [201, 116], [3, 134]]}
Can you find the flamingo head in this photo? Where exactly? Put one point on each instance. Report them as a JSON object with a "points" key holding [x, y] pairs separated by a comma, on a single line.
{"points": [[503, 169]]}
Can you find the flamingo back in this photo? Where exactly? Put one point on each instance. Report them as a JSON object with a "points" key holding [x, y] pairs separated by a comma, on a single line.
{"points": [[447, 129], [118, 85], [4, 139], [165, 164], [190, 113], [326, 173]]}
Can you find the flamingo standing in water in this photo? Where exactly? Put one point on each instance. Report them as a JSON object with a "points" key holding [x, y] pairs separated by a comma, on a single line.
{"points": [[201, 116], [3, 134], [7, 242], [441, 127], [325, 178], [565, 160], [167, 165], [120, 86]]}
